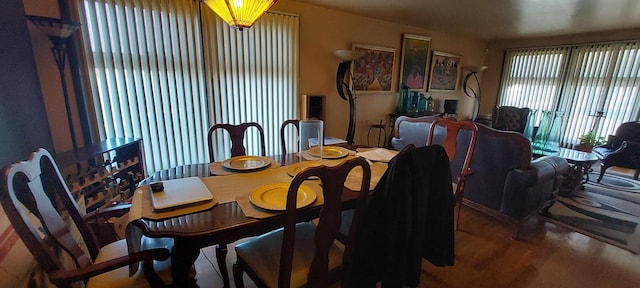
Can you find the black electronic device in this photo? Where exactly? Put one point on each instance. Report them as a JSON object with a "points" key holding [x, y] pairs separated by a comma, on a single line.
{"points": [[156, 187]]}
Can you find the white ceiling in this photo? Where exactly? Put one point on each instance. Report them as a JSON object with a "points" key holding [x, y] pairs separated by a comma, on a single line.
{"points": [[498, 19]]}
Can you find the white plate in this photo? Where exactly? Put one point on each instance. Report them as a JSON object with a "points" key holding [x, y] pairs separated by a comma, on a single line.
{"points": [[329, 152], [246, 163], [378, 154], [274, 196]]}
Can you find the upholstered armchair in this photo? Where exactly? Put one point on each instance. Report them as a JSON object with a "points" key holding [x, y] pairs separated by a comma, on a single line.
{"points": [[622, 149], [509, 118], [505, 181]]}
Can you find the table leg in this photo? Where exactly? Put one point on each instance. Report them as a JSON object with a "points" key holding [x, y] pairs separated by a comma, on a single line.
{"points": [[586, 167], [183, 269], [221, 257]]}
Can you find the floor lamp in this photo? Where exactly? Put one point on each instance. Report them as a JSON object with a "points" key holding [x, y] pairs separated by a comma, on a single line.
{"points": [[468, 90], [346, 57], [58, 31]]}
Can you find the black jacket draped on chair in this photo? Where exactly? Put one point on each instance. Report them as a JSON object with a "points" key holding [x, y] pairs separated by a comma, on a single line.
{"points": [[410, 217]]}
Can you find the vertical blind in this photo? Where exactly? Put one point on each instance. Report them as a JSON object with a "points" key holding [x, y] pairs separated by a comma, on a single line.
{"points": [[253, 78], [595, 86], [167, 70]]}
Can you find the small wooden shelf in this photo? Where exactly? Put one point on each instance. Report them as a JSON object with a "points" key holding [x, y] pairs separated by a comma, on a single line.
{"points": [[101, 170]]}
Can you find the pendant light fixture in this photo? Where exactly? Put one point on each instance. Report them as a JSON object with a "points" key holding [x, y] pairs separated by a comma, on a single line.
{"points": [[240, 14]]}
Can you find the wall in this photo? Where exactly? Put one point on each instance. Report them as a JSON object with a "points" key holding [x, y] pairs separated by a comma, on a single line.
{"points": [[23, 126], [23, 119], [497, 48], [323, 31]]}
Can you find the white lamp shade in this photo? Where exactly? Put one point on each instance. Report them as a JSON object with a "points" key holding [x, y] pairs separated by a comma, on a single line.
{"points": [[475, 69], [54, 27], [348, 55]]}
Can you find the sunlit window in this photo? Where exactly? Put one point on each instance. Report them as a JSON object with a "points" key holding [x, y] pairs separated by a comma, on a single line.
{"points": [[167, 70], [596, 86]]}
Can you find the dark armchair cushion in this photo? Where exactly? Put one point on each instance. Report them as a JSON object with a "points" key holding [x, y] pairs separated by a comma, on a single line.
{"points": [[509, 118]]}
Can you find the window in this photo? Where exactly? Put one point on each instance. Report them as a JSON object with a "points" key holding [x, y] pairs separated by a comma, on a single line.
{"points": [[167, 70], [596, 86]]}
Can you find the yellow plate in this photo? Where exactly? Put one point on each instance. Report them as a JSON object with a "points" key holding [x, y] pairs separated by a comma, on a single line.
{"points": [[294, 169], [245, 163], [329, 152], [274, 196]]}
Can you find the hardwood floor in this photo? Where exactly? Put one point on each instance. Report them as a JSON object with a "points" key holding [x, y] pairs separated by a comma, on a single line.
{"points": [[548, 256]]}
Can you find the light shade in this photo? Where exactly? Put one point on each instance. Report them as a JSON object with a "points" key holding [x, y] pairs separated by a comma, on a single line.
{"points": [[240, 13], [474, 69], [348, 55], [53, 27]]}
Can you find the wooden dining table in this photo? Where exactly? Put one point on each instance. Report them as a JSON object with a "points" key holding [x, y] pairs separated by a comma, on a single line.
{"points": [[222, 224]]}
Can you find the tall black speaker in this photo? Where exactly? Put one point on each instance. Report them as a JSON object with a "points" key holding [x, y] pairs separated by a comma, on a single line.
{"points": [[451, 106], [314, 107]]}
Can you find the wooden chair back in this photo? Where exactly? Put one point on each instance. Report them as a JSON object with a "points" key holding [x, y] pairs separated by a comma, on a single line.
{"points": [[328, 226], [48, 220], [283, 129], [236, 133], [38, 186], [452, 146]]}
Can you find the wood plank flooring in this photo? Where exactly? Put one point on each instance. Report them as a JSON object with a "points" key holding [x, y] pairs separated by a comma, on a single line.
{"points": [[548, 256]]}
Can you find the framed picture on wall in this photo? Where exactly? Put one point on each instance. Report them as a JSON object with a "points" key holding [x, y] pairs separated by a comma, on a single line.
{"points": [[445, 72], [373, 72], [414, 64]]}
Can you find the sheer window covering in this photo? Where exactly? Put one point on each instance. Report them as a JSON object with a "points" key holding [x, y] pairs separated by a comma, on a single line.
{"points": [[161, 74], [596, 85]]}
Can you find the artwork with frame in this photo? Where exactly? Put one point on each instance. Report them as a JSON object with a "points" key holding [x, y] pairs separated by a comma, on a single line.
{"points": [[445, 72], [414, 69], [373, 72]]}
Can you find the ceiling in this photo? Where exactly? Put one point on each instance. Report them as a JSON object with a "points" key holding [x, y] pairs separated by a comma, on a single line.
{"points": [[498, 19]]}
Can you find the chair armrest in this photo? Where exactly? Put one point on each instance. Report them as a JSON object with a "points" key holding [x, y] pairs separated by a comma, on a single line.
{"points": [[524, 190], [517, 183], [552, 167], [101, 215], [626, 149], [148, 256], [630, 145], [103, 226]]}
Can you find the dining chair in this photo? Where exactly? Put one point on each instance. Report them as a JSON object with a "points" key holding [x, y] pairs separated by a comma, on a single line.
{"points": [[283, 129], [305, 254], [46, 217], [236, 133], [459, 148]]}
